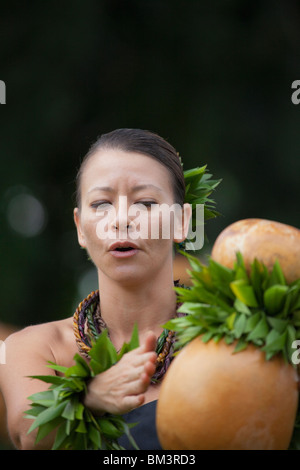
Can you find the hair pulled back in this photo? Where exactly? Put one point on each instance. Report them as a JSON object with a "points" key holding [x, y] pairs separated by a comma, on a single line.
{"points": [[143, 142]]}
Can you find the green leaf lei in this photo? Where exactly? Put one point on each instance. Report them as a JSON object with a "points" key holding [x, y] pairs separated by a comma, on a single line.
{"points": [[61, 408]]}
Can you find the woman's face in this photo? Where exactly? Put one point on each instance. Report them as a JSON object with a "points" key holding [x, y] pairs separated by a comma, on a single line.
{"points": [[121, 198]]}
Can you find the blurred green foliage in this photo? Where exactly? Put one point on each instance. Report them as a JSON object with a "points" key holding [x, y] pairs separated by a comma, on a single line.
{"points": [[214, 78]]}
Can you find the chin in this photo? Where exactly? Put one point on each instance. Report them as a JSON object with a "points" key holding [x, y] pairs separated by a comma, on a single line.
{"points": [[131, 276]]}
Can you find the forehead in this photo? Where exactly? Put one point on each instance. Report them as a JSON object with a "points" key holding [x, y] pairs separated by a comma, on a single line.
{"points": [[114, 166]]}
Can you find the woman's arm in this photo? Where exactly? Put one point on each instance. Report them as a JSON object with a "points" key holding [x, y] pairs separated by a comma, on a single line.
{"points": [[117, 390], [27, 354]]}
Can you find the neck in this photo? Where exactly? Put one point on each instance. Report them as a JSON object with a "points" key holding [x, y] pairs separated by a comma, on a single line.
{"points": [[147, 304]]}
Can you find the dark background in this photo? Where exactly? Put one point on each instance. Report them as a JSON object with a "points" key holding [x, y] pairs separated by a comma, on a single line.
{"points": [[214, 78]]}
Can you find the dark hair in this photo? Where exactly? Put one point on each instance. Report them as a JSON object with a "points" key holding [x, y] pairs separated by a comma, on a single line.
{"points": [[143, 142]]}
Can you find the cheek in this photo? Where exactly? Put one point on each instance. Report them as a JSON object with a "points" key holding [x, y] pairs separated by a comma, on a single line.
{"points": [[149, 226], [98, 227], [160, 237], [162, 224], [140, 225], [92, 239], [103, 226], [89, 229]]}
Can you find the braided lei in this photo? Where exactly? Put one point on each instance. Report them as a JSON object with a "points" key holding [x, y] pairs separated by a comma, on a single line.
{"points": [[88, 325]]}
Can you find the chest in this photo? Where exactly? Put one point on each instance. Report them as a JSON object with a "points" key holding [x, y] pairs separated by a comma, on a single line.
{"points": [[152, 393], [64, 347]]}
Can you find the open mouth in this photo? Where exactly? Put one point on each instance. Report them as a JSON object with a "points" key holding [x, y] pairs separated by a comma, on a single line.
{"points": [[123, 249], [123, 246], [128, 248]]}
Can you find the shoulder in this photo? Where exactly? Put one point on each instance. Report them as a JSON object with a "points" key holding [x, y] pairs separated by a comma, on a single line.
{"points": [[28, 335], [28, 351], [43, 339], [40, 333]]}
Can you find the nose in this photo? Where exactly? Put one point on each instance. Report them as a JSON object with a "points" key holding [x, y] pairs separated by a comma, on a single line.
{"points": [[121, 220], [121, 228]]}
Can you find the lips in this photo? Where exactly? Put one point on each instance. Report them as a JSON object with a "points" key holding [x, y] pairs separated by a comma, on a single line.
{"points": [[123, 250], [123, 246]]}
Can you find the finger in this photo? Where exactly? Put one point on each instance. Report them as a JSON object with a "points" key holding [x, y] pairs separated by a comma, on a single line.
{"points": [[142, 373], [145, 380], [132, 401], [135, 373], [149, 368], [136, 387], [150, 342], [137, 360]]}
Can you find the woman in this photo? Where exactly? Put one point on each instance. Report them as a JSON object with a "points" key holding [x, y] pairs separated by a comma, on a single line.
{"points": [[128, 168], [5, 331]]}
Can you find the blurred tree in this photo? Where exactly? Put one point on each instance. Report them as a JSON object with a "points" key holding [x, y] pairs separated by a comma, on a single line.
{"points": [[213, 78]]}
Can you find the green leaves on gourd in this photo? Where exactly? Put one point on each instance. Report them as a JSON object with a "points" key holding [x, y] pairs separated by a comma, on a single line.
{"points": [[60, 407], [257, 307]]}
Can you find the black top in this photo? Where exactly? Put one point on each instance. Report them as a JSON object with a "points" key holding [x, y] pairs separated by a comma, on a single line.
{"points": [[144, 433]]}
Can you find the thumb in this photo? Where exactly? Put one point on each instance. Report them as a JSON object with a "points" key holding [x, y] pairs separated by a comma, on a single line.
{"points": [[150, 342]]}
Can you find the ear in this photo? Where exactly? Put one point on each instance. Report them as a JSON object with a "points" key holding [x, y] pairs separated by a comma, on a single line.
{"points": [[182, 226], [80, 235]]}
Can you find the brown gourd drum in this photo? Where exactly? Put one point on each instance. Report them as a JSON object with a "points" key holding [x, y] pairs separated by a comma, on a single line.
{"points": [[212, 399], [263, 239]]}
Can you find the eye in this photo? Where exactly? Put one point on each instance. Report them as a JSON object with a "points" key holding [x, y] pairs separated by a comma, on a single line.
{"points": [[97, 204], [146, 203]]}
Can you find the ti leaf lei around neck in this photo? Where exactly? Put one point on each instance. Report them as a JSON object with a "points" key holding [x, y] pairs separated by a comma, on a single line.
{"points": [[60, 407]]}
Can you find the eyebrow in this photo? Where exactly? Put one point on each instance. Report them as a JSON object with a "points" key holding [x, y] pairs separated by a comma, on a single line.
{"points": [[134, 189]]}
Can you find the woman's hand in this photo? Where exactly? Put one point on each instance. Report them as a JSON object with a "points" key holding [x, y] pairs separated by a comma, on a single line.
{"points": [[121, 388]]}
